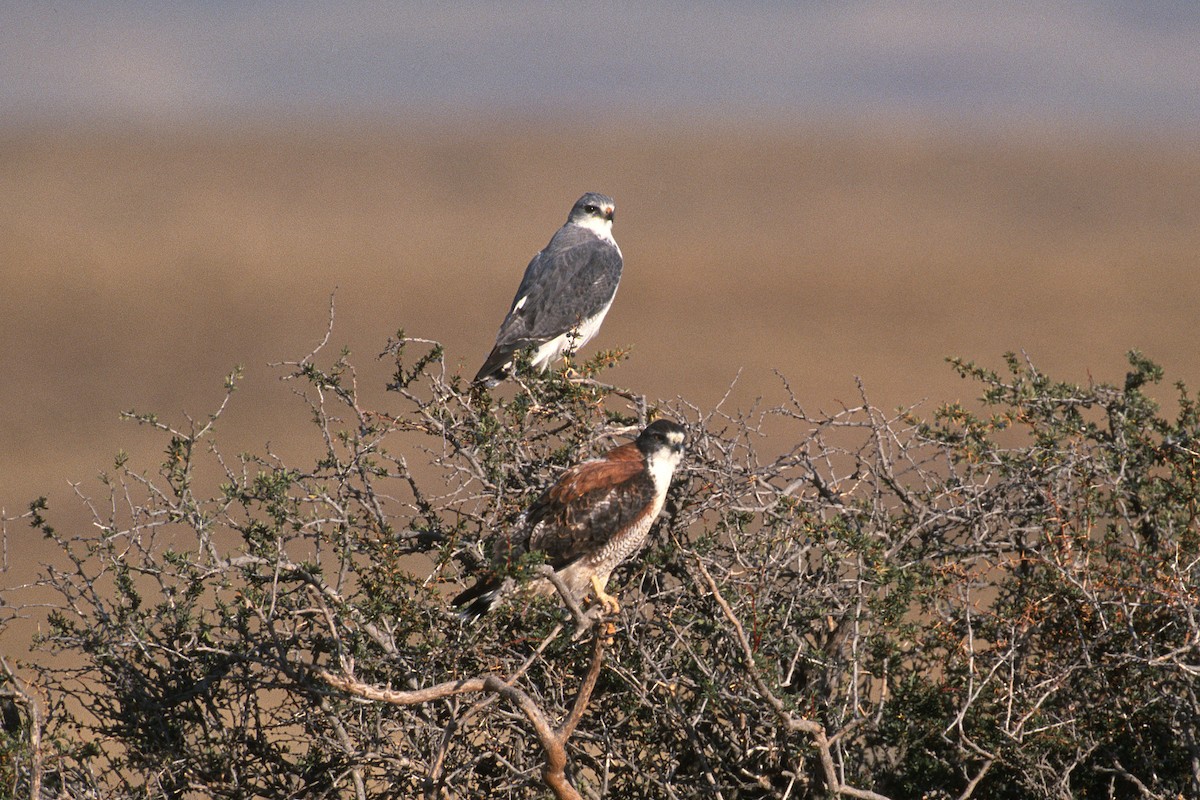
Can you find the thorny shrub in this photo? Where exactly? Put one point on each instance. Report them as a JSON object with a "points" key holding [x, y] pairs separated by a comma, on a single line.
{"points": [[992, 603]]}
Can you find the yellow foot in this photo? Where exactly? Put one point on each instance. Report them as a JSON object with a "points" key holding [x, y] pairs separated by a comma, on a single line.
{"points": [[611, 606]]}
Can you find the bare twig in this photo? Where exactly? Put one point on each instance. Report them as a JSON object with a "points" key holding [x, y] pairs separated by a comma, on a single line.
{"points": [[815, 731]]}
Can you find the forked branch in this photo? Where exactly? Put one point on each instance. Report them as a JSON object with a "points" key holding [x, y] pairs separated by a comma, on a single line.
{"points": [[552, 739]]}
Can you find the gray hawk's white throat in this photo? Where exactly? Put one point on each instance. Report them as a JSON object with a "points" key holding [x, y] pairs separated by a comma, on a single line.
{"points": [[567, 289], [595, 516]]}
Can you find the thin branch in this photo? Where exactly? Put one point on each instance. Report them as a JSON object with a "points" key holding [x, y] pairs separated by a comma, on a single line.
{"points": [[33, 710], [815, 731], [586, 688]]}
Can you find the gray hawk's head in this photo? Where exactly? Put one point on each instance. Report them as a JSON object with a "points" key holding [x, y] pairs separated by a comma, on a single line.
{"points": [[594, 211]]}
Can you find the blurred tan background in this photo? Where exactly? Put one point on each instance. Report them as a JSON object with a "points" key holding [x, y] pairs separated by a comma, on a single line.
{"points": [[829, 190], [141, 265]]}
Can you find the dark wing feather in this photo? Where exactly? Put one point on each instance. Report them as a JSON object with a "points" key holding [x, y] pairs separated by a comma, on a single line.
{"points": [[589, 505]]}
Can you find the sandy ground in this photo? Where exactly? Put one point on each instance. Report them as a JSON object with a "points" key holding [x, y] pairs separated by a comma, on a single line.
{"points": [[139, 266]]}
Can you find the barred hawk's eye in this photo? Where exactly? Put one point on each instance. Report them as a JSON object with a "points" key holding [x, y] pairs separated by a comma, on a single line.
{"points": [[591, 209]]}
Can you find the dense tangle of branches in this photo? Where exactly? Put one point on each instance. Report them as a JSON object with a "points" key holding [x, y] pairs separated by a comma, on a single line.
{"points": [[986, 603]]}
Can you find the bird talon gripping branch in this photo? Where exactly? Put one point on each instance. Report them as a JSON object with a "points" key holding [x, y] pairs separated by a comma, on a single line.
{"points": [[607, 601]]}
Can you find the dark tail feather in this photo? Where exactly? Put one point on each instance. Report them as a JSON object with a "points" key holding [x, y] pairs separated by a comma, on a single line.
{"points": [[476, 601], [493, 370]]}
